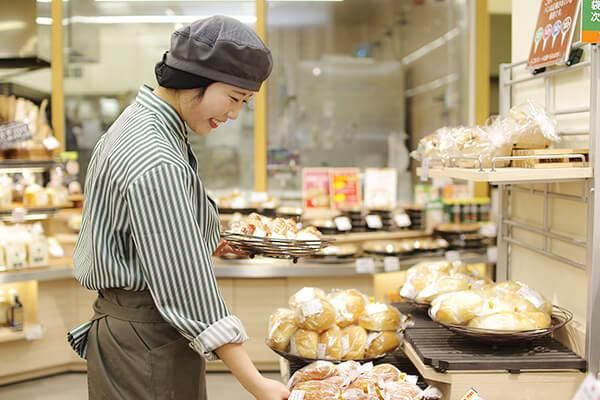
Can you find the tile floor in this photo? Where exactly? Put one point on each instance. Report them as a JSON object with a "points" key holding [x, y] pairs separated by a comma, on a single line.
{"points": [[73, 386]]}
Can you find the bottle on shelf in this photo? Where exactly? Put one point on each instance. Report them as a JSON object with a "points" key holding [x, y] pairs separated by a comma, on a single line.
{"points": [[16, 315], [4, 310]]}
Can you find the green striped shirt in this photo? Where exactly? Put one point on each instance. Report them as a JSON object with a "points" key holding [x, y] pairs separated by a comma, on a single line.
{"points": [[149, 224]]}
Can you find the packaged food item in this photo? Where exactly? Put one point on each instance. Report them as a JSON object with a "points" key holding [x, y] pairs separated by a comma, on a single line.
{"points": [[305, 294], [349, 370], [330, 344], [512, 321], [457, 307], [503, 302], [354, 342], [539, 301], [381, 317], [304, 343], [316, 390], [316, 371], [428, 147], [365, 383], [349, 305], [317, 315], [282, 326], [357, 394], [397, 390], [530, 126], [380, 343], [445, 284]]}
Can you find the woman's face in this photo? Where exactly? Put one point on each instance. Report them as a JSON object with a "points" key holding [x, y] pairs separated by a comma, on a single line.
{"points": [[203, 112]]}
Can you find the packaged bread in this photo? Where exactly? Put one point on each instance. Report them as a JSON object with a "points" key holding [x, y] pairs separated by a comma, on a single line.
{"points": [[305, 294], [512, 321], [304, 343], [445, 284], [282, 326], [386, 372], [395, 390], [380, 317], [457, 307], [330, 344], [349, 370], [354, 342], [503, 302], [358, 394], [417, 280], [316, 315], [380, 343], [316, 371], [349, 305], [538, 300], [316, 390]]}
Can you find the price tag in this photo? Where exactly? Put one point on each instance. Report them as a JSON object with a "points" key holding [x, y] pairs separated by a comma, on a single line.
{"points": [[34, 332], [51, 143], [343, 224], [374, 221], [412, 379], [402, 220], [589, 389], [492, 254], [259, 197], [391, 264], [425, 170], [365, 265], [452, 256], [18, 215], [472, 395]]}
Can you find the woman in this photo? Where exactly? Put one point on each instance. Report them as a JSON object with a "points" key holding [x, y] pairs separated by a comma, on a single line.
{"points": [[149, 229]]}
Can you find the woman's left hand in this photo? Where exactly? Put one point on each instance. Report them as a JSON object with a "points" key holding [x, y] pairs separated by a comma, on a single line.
{"points": [[224, 248]]}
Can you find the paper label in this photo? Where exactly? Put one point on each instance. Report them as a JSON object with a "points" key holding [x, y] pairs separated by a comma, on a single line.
{"points": [[366, 368], [372, 336], [492, 254], [471, 395], [402, 220], [33, 332], [297, 395], [412, 379], [532, 296], [365, 265], [305, 294], [391, 264], [374, 221], [589, 389], [345, 345], [51, 143], [343, 224], [376, 308], [321, 350], [312, 307], [408, 290], [293, 346]]}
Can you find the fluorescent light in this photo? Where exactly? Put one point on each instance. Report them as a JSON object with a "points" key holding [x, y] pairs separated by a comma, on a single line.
{"points": [[429, 47], [140, 19]]}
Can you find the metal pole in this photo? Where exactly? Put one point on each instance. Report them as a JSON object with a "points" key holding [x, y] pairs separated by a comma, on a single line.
{"points": [[592, 347]]}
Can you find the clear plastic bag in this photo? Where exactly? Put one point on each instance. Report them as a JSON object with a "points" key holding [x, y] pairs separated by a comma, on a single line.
{"points": [[531, 126], [428, 147], [317, 371], [349, 305], [316, 390], [381, 317], [316, 315], [282, 326]]}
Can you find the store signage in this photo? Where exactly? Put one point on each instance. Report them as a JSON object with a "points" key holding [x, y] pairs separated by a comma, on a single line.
{"points": [[472, 395], [315, 187], [553, 33], [345, 188], [590, 21], [589, 389], [380, 188]]}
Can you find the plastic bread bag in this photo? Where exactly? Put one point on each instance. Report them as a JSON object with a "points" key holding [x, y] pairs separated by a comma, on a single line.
{"points": [[380, 343], [330, 344], [398, 390], [282, 326], [457, 308], [305, 294], [539, 301], [512, 321], [417, 280], [349, 305], [381, 317], [428, 148], [316, 371], [354, 342], [358, 394], [349, 371], [315, 390], [531, 126], [386, 373], [443, 285], [304, 344], [316, 315]]}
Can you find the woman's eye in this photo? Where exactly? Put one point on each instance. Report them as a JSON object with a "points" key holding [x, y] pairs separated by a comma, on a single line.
{"points": [[234, 99]]}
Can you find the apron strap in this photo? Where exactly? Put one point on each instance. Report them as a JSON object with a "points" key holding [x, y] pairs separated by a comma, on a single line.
{"points": [[105, 308]]}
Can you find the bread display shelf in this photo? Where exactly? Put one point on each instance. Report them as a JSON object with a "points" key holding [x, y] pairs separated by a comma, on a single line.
{"points": [[510, 175], [59, 268], [12, 166], [10, 335]]}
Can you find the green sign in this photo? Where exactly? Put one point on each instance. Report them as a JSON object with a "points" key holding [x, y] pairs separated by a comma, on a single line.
{"points": [[590, 21]]}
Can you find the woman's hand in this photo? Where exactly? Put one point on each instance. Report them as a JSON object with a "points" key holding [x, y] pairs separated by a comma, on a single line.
{"points": [[224, 248], [269, 389]]}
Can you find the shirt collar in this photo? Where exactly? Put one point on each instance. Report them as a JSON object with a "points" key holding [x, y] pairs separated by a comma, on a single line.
{"points": [[148, 99]]}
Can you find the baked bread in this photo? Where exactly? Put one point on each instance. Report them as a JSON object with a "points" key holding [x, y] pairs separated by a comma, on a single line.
{"points": [[445, 284], [305, 294], [512, 321], [316, 315], [349, 305], [282, 326], [317, 390], [380, 317], [330, 344], [354, 342], [316, 371], [379, 343], [304, 343], [456, 308]]}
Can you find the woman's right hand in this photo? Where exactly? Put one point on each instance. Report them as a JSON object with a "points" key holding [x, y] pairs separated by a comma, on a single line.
{"points": [[269, 389]]}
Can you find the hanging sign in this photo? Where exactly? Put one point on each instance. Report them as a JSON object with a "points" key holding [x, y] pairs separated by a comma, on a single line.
{"points": [[315, 187], [345, 188], [380, 188], [553, 33], [590, 21]]}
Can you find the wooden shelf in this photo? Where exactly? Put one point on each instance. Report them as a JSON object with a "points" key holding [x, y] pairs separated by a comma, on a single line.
{"points": [[378, 235], [9, 335], [512, 175]]}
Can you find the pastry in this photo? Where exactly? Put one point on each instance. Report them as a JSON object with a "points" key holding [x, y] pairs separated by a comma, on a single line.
{"points": [[282, 326], [316, 371], [330, 344], [354, 342], [349, 305], [379, 343], [316, 315], [304, 344], [380, 317]]}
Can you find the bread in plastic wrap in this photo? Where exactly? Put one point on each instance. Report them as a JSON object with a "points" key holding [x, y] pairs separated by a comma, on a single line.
{"points": [[386, 373], [349, 305], [304, 343], [381, 317], [457, 308], [354, 342], [282, 326], [305, 294], [330, 344], [444, 285], [380, 343], [358, 394], [512, 321], [530, 126], [349, 370], [428, 148], [316, 315], [503, 302], [316, 371], [539, 301], [366, 383], [395, 390], [316, 390]]}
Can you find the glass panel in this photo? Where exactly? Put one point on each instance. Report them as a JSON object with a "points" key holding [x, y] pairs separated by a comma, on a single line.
{"points": [[112, 47]]}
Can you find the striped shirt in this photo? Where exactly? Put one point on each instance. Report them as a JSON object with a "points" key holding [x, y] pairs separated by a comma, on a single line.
{"points": [[149, 224]]}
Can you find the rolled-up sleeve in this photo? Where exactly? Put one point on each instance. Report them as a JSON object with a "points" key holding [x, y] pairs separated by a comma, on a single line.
{"points": [[175, 256]]}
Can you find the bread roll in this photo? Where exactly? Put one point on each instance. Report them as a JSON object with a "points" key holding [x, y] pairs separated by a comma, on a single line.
{"points": [[539, 301], [349, 370], [282, 326], [365, 383], [349, 305], [511, 321], [316, 371], [330, 344], [379, 343], [304, 344], [354, 342], [505, 302], [386, 372], [316, 315], [305, 294], [445, 284], [317, 390], [457, 307], [401, 391], [380, 317]]}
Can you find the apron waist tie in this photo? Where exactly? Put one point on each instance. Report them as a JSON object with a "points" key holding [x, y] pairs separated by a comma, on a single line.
{"points": [[145, 314]]}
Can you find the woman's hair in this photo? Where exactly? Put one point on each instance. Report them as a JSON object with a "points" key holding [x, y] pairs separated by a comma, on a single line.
{"points": [[174, 78]]}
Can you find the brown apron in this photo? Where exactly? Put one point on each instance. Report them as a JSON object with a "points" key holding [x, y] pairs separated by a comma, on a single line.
{"points": [[133, 354]]}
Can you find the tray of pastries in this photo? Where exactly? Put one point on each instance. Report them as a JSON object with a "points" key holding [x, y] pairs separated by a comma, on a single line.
{"points": [[388, 247]]}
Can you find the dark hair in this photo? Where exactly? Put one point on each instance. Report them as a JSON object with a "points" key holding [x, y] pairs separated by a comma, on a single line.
{"points": [[174, 78]]}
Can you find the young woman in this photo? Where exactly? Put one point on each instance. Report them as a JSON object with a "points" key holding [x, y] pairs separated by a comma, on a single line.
{"points": [[149, 229]]}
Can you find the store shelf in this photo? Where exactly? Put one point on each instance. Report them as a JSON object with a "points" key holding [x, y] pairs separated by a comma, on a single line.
{"points": [[58, 269], [512, 175], [378, 235], [10, 335], [14, 166]]}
